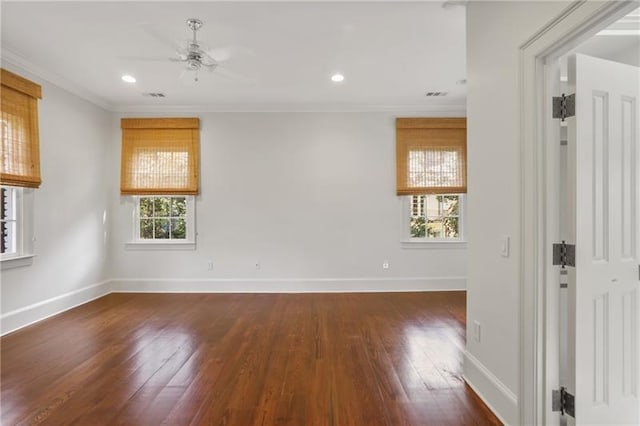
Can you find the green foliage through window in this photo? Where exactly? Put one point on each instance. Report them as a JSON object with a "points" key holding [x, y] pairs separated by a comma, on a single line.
{"points": [[435, 216], [163, 218]]}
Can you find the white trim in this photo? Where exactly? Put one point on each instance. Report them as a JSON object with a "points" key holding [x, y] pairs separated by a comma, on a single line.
{"points": [[495, 394], [420, 244], [16, 262], [447, 110], [157, 245], [575, 24], [25, 316], [286, 285], [14, 60]]}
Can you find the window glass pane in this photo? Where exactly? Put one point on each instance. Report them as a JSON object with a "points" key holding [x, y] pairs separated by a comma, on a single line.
{"points": [[451, 227], [8, 225], [8, 237], [178, 207], [161, 230], [449, 205], [161, 207], [435, 228], [418, 228], [433, 206], [178, 229], [417, 205], [146, 207], [146, 229]]}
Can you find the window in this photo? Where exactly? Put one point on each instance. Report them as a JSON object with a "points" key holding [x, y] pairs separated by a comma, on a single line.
{"points": [[8, 222], [160, 169], [435, 217], [19, 166], [163, 218], [431, 167], [16, 226], [163, 221]]}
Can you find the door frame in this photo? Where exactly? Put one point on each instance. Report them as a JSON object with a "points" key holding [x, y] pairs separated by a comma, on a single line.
{"points": [[538, 204]]}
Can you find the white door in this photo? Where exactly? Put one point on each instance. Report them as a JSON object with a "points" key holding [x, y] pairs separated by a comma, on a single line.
{"points": [[604, 287]]}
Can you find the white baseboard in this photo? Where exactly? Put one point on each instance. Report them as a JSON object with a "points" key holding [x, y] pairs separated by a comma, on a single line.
{"points": [[287, 285], [19, 318], [498, 397]]}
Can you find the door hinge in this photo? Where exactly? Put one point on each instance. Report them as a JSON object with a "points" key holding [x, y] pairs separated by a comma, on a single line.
{"points": [[564, 106], [564, 402], [564, 254]]}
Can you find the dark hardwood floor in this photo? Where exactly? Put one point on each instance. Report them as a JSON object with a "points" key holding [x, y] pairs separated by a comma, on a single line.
{"points": [[244, 359]]}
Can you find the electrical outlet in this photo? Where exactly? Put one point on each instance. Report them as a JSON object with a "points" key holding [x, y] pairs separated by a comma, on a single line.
{"points": [[210, 265], [258, 266], [385, 264], [476, 331]]}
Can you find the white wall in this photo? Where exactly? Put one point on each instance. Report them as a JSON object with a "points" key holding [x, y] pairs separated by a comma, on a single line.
{"points": [[495, 30], [71, 248], [310, 196]]}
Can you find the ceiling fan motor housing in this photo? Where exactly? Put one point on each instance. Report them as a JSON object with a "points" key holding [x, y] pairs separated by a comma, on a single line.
{"points": [[194, 24]]}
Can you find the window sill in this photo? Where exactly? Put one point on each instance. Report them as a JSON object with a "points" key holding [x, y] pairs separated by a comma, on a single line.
{"points": [[143, 245], [17, 262], [412, 244]]}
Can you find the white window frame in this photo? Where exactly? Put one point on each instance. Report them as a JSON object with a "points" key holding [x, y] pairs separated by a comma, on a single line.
{"points": [[407, 241], [24, 238], [138, 243]]}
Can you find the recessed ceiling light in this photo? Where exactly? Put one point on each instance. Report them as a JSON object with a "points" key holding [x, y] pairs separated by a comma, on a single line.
{"points": [[337, 78], [128, 78]]}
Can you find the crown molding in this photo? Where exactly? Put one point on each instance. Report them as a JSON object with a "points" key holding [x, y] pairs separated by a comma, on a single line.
{"points": [[292, 107], [11, 60]]}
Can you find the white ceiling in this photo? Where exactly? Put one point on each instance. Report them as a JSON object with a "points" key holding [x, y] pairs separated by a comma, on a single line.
{"points": [[618, 42], [391, 53]]}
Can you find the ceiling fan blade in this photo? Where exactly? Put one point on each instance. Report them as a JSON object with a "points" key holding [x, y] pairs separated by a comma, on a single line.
{"points": [[222, 54], [224, 72]]}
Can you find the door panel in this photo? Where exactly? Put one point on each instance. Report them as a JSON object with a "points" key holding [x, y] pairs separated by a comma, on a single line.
{"points": [[603, 139]]}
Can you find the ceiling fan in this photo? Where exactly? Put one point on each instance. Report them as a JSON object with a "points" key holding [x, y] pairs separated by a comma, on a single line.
{"points": [[195, 56]]}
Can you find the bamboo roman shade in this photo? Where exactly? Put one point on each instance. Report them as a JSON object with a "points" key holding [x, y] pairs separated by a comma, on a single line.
{"points": [[431, 156], [19, 119], [160, 156]]}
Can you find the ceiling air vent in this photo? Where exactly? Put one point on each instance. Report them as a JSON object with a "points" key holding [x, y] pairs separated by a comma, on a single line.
{"points": [[154, 95], [436, 94]]}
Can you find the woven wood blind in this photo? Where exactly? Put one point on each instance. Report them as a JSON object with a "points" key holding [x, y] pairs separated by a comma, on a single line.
{"points": [[19, 120], [431, 156], [160, 156]]}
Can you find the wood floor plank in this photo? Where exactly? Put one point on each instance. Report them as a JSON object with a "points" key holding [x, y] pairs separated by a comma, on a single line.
{"points": [[244, 359]]}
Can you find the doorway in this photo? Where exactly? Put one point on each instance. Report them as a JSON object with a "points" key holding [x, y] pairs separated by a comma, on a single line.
{"points": [[541, 201]]}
